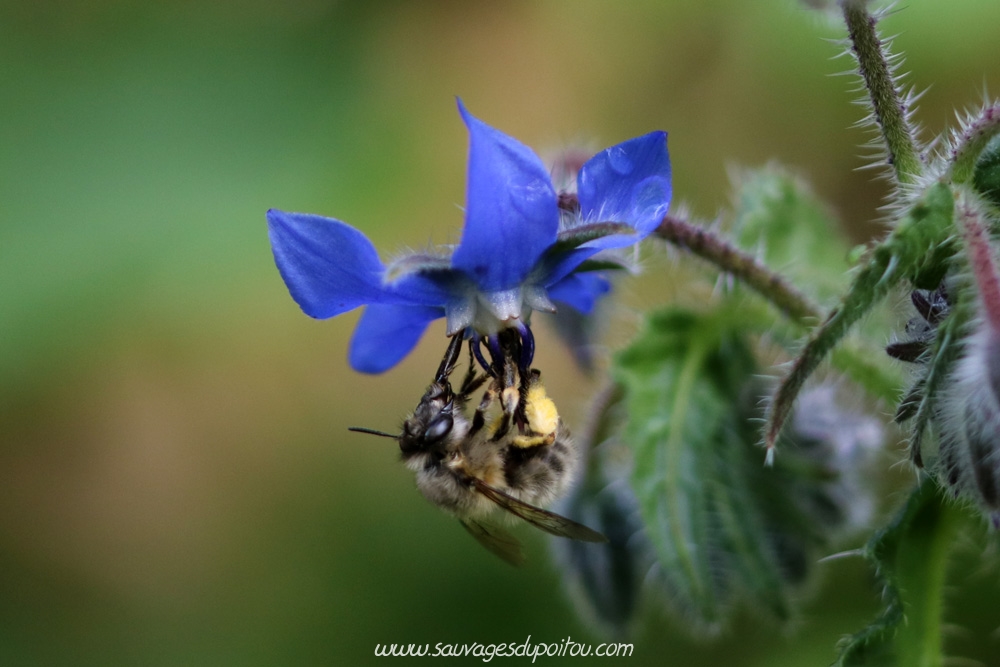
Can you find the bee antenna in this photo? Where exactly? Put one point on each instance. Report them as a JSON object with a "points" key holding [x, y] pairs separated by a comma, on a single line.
{"points": [[371, 431]]}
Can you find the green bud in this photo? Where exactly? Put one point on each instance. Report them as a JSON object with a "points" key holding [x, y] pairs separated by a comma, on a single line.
{"points": [[986, 177], [605, 580]]}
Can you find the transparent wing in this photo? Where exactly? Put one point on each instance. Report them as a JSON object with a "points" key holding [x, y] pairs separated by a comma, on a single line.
{"points": [[497, 540], [550, 522]]}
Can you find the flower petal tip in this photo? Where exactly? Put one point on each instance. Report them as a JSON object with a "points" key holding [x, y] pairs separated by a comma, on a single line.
{"points": [[328, 266], [511, 213]]}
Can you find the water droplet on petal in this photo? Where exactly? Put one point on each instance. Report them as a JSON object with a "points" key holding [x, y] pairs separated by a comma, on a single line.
{"points": [[620, 161], [650, 195]]}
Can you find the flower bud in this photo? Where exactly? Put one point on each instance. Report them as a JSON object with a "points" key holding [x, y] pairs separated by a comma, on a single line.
{"points": [[606, 580], [969, 459], [969, 417]]}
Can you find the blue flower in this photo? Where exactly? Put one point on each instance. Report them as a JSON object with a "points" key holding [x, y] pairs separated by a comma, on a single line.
{"points": [[524, 247]]}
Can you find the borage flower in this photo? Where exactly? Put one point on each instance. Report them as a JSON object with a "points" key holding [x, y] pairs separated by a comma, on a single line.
{"points": [[524, 247]]}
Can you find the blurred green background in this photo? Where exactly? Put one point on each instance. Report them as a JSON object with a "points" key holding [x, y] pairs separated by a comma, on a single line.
{"points": [[177, 485]]}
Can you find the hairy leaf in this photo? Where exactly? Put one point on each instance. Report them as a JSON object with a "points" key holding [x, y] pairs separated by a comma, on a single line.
{"points": [[778, 216], [722, 528], [910, 558], [986, 177], [679, 385]]}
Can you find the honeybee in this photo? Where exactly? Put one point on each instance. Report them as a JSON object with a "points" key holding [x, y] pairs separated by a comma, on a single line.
{"points": [[514, 453]]}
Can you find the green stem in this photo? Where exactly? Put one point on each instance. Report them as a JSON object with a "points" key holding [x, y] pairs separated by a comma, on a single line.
{"points": [[922, 568], [888, 107], [730, 259], [802, 312], [911, 558], [980, 256]]}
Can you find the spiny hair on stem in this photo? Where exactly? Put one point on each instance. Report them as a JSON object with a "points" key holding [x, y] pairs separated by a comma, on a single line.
{"points": [[880, 155]]}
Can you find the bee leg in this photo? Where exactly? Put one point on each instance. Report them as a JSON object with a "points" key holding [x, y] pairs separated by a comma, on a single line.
{"points": [[510, 398], [470, 374], [471, 382], [518, 349], [503, 387], [511, 349], [526, 380], [450, 359], [479, 418]]}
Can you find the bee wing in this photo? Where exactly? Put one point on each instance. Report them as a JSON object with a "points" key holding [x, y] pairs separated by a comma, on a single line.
{"points": [[550, 522], [497, 540]]}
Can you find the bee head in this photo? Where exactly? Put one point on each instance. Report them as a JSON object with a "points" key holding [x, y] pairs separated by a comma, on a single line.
{"points": [[432, 422]]}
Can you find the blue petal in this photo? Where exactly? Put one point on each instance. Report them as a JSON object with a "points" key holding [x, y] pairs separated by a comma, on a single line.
{"points": [[386, 333], [430, 288], [580, 290], [511, 214], [556, 268], [628, 183], [328, 266]]}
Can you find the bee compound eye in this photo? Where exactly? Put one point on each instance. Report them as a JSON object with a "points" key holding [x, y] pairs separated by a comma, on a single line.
{"points": [[438, 428]]}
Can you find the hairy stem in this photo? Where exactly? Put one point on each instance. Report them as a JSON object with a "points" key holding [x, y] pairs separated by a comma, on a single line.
{"points": [[888, 107], [981, 260], [730, 259], [970, 141]]}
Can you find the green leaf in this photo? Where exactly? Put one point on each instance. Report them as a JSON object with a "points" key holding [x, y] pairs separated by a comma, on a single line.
{"points": [[986, 177], [776, 213], [677, 379], [744, 532], [779, 217], [973, 150], [723, 528], [910, 557]]}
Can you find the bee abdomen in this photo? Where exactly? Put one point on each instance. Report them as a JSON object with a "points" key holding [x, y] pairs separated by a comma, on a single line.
{"points": [[540, 474]]}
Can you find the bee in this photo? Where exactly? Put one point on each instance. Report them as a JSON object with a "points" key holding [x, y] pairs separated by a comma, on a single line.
{"points": [[514, 453]]}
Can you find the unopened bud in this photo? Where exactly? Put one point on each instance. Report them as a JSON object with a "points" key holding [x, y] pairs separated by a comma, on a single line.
{"points": [[970, 424]]}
